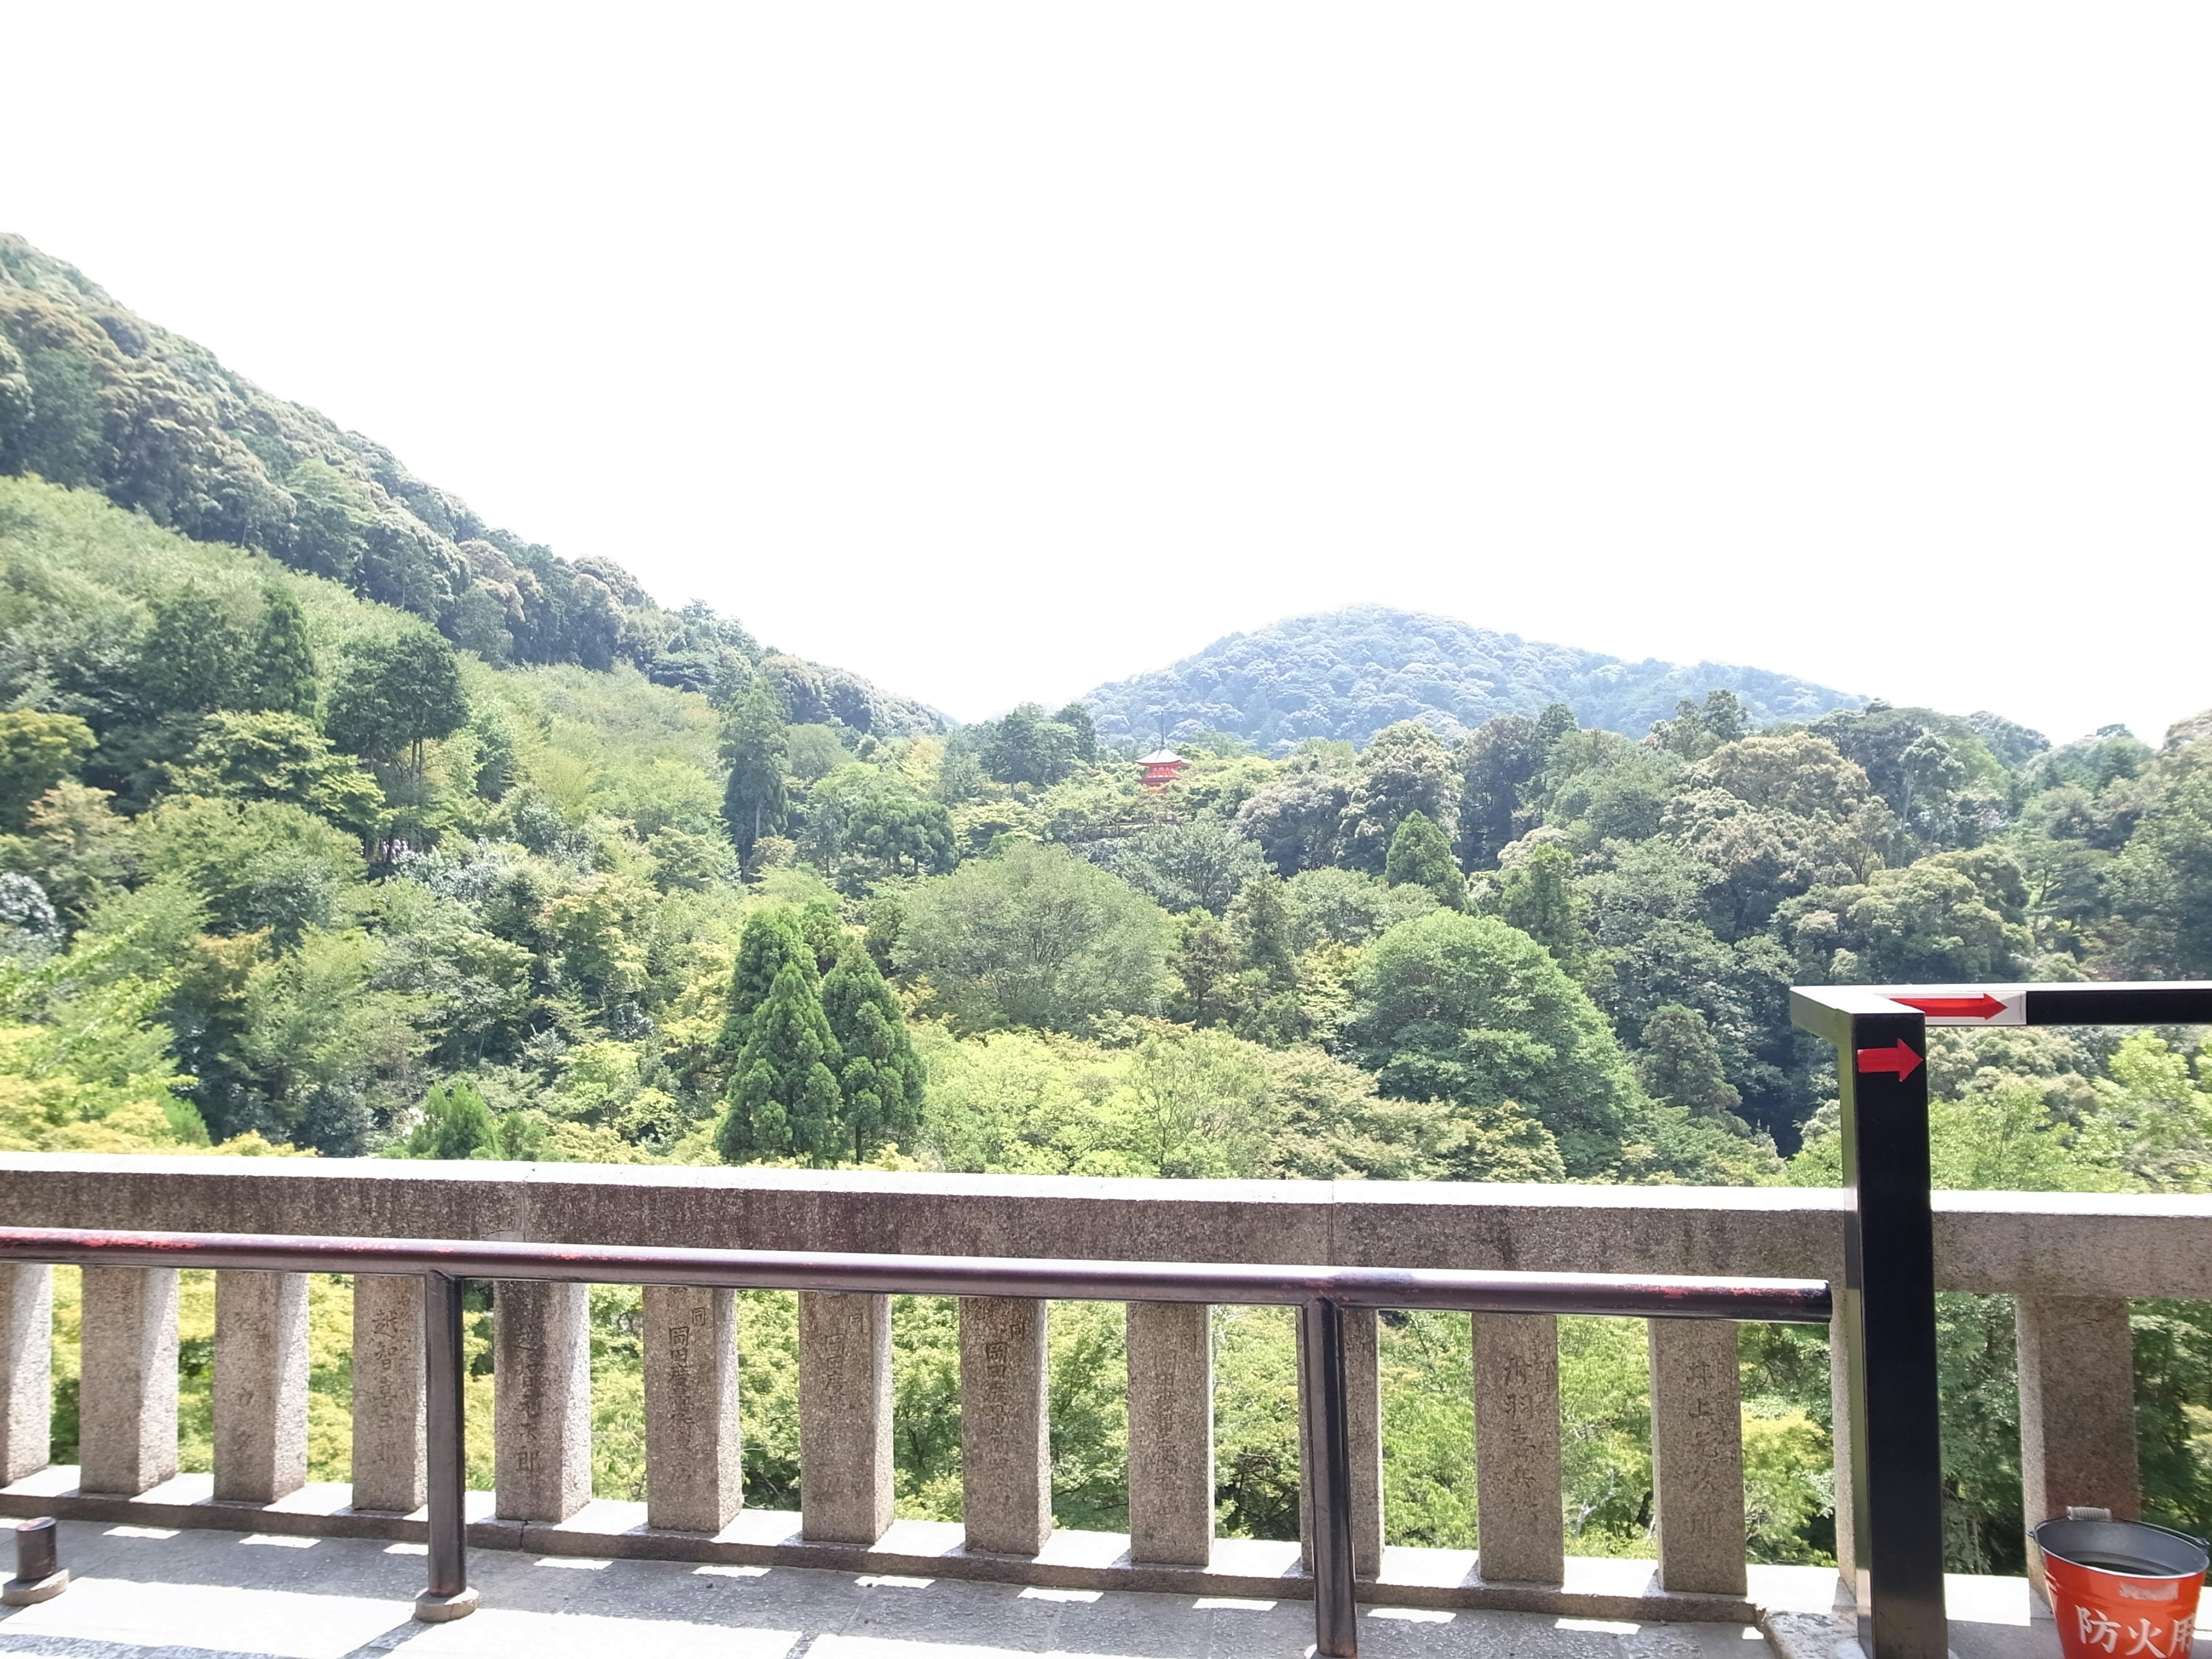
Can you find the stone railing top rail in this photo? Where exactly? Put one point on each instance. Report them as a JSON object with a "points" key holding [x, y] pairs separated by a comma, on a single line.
{"points": [[2042, 1243]]}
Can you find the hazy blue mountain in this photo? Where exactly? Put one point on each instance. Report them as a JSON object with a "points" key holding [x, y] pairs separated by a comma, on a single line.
{"points": [[1350, 673]]}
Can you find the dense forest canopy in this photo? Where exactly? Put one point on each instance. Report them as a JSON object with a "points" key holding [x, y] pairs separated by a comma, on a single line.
{"points": [[1347, 674], [298, 857], [95, 397]]}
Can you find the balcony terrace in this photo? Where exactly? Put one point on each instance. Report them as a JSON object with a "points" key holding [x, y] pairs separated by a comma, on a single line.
{"points": [[164, 1561]]}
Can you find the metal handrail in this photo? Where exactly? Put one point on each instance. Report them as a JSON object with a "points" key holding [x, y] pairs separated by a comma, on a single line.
{"points": [[1322, 1293]]}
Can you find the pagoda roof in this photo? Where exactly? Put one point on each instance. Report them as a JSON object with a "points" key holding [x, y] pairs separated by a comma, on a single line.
{"points": [[1163, 757]]}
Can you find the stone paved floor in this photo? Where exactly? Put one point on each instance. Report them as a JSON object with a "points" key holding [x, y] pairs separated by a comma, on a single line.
{"points": [[144, 1592]]}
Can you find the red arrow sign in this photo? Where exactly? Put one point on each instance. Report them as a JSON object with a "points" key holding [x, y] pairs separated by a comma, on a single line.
{"points": [[1899, 1057], [1984, 1006]]}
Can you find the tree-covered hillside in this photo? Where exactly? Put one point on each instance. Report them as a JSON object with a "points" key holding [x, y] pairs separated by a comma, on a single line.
{"points": [[1347, 674], [287, 865], [92, 396], [282, 869]]}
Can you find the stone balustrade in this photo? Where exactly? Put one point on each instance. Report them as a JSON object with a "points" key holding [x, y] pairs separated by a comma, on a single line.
{"points": [[2073, 1261]]}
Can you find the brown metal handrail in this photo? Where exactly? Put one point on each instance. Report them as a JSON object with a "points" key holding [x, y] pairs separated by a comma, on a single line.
{"points": [[1320, 1293]]}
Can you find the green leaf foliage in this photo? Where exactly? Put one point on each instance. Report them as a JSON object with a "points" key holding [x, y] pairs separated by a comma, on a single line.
{"points": [[878, 1074], [784, 1100], [1421, 856], [1034, 936], [1468, 1009], [1347, 674], [37, 751]]}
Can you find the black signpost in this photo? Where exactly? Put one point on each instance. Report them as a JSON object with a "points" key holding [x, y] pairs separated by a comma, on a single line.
{"points": [[1885, 1306]]}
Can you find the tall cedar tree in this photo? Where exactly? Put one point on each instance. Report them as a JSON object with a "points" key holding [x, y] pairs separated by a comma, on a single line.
{"points": [[881, 1077], [1538, 897], [784, 1099], [1261, 920], [771, 939], [193, 656], [823, 927], [754, 740], [285, 680], [1680, 1063], [456, 1123], [1419, 855], [1205, 967]]}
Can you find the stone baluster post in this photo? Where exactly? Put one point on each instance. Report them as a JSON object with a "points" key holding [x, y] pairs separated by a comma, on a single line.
{"points": [[2077, 1411], [1363, 1420], [1697, 1455], [260, 1386], [541, 1399], [693, 1454], [387, 1392], [1171, 1353], [1839, 1415], [127, 1390], [1006, 1441], [844, 1415], [26, 1367], [1518, 1516]]}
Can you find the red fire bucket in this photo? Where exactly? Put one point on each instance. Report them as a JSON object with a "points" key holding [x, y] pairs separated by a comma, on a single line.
{"points": [[2122, 1588]]}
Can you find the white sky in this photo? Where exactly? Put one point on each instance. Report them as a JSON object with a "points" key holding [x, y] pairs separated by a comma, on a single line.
{"points": [[995, 350]]}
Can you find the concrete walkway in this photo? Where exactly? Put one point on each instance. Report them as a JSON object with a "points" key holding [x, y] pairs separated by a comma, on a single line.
{"points": [[148, 1593]]}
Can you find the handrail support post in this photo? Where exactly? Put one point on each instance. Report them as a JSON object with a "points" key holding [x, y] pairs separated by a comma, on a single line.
{"points": [[448, 1595], [1321, 1367]]}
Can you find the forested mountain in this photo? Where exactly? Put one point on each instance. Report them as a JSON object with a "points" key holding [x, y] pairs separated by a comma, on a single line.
{"points": [[95, 397], [286, 867], [1347, 674]]}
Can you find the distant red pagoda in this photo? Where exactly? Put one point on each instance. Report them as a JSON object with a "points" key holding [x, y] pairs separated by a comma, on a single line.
{"points": [[1161, 768]]}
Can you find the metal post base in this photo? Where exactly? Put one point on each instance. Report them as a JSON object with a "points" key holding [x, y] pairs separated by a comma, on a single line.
{"points": [[444, 1609]]}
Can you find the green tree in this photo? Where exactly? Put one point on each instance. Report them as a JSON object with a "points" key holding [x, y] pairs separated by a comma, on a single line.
{"points": [[332, 513], [784, 1099], [1681, 1063], [754, 744], [865, 825], [2161, 882], [1695, 732], [1199, 1104], [456, 1123], [1183, 866], [1034, 936], [1538, 897], [822, 925], [37, 751], [282, 674], [255, 864], [1260, 922], [879, 1075], [195, 657], [1076, 719], [1420, 857], [280, 756], [1024, 747], [772, 940], [1405, 769], [1498, 762], [886, 920], [1468, 1009], [1297, 820], [1954, 916], [1205, 968], [396, 692]]}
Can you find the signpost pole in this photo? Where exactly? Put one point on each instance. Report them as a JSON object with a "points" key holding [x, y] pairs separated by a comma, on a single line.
{"points": [[1887, 1315]]}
